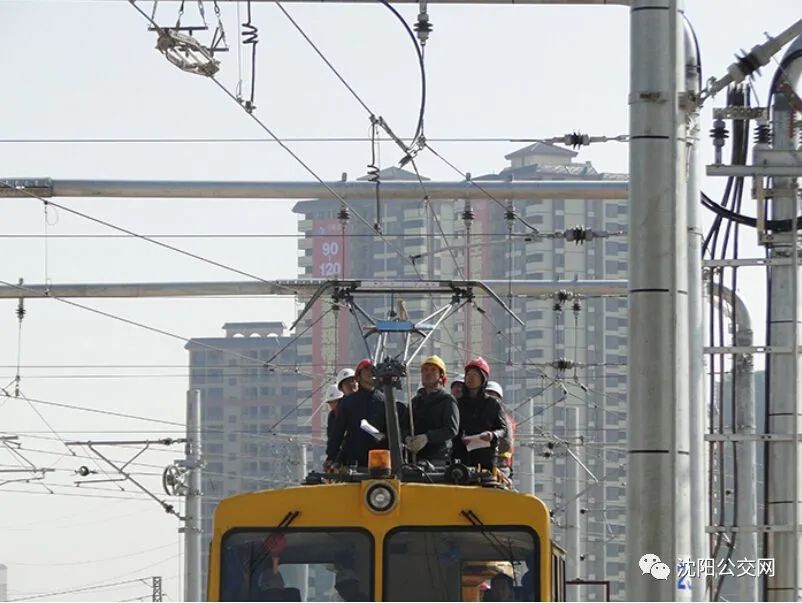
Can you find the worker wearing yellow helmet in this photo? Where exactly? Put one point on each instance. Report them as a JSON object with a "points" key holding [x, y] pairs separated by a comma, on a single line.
{"points": [[435, 416]]}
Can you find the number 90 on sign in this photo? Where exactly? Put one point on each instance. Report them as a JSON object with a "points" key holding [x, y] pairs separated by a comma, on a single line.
{"points": [[330, 248]]}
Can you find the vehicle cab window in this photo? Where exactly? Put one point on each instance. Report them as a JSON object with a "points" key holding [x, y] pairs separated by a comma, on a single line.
{"points": [[473, 563], [296, 564]]}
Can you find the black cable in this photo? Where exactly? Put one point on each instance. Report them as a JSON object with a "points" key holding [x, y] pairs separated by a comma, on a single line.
{"points": [[739, 218], [250, 37], [740, 97], [419, 53]]}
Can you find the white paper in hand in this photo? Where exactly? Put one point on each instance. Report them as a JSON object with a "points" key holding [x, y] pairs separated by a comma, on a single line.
{"points": [[473, 442], [370, 429]]}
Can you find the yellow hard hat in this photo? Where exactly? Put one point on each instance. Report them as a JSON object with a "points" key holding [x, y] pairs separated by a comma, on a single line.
{"points": [[435, 360]]}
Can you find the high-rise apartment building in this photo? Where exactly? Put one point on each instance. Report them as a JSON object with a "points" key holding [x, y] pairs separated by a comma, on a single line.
{"points": [[242, 402], [592, 335]]}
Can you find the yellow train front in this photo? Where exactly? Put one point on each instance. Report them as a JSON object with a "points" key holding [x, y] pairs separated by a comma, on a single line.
{"points": [[390, 539]]}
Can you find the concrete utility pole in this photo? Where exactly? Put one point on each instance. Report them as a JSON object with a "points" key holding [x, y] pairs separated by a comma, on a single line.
{"points": [[658, 496], [193, 590], [785, 309]]}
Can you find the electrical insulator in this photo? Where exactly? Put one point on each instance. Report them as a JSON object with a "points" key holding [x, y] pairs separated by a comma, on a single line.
{"points": [[576, 308], [468, 216], [578, 235], [576, 140], [509, 217], [562, 364], [344, 216], [763, 134], [423, 26], [719, 134]]}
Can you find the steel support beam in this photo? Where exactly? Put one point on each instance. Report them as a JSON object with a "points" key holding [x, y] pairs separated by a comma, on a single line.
{"points": [[391, 189], [304, 287]]}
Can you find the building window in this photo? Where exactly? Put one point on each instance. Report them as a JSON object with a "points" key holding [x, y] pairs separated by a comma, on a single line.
{"points": [[213, 394], [250, 393], [213, 413]]}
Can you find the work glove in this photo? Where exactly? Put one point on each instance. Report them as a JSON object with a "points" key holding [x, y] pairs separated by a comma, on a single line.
{"points": [[417, 443], [329, 466]]}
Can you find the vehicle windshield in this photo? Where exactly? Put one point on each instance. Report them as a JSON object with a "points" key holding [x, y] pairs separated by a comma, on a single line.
{"points": [[476, 563], [297, 565]]}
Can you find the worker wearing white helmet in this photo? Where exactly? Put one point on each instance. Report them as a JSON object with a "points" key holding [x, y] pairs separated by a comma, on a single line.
{"points": [[349, 443], [346, 381], [494, 389], [332, 398], [458, 386], [505, 444]]}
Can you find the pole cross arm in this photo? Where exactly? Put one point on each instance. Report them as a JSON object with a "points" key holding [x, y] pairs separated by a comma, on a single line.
{"points": [[302, 287], [406, 191]]}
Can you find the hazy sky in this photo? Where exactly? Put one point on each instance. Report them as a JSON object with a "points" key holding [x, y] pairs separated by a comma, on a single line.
{"points": [[89, 70]]}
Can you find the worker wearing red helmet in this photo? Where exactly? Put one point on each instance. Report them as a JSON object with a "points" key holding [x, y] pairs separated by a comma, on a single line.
{"points": [[348, 441], [434, 412], [482, 422]]}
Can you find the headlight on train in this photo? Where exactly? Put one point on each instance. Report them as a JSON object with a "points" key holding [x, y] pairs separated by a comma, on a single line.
{"points": [[381, 497]]}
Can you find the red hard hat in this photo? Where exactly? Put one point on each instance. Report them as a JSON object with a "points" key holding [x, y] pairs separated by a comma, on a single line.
{"points": [[481, 364], [364, 363]]}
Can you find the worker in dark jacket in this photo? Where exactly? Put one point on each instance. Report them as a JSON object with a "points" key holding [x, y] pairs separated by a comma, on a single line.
{"points": [[506, 444], [333, 397], [482, 423], [435, 416], [349, 437]]}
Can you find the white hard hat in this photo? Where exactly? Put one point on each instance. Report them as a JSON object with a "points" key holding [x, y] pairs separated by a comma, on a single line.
{"points": [[494, 386], [344, 374], [333, 393], [458, 379]]}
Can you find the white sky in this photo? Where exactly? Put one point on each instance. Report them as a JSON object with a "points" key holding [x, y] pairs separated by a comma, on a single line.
{"points": [[89, 70]]}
